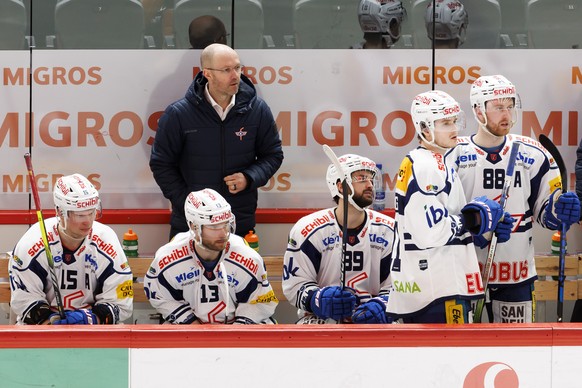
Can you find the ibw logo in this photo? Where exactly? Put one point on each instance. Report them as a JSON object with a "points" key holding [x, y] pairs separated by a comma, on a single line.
{"points": [[491, 375]]}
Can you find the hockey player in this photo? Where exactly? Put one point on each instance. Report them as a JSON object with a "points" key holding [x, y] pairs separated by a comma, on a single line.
{"points": [[436, 273], [381, 23], [96, 283], [209, 275], [312, 262], [450, 26], [535, 195]]}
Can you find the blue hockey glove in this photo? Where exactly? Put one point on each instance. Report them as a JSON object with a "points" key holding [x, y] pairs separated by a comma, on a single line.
{"points": [[565, 208], [76, 317], [372, 311], [504, 228], [482, 240], [489, 213], [333, 302]]}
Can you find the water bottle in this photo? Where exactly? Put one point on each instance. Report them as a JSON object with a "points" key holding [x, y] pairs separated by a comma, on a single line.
{"points": [[555, 247], [130, 243], [380, 197], [253, 240]]}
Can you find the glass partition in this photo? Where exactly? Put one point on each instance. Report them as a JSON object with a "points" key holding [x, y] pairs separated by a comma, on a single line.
{"points": [[288, 24]]}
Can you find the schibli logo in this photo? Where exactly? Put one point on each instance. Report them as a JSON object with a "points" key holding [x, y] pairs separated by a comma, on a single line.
{"points": [[220, 217], [451, 110], [88, 203], [385, 221], [454, 5], [104, 247], [80, 182], [210, 194], [504, 91], [423, 99], [368, 164], [318, 221], [439, 160], [176, 254], [194, 201], [247, 262], [492, 373], [61, 186]]}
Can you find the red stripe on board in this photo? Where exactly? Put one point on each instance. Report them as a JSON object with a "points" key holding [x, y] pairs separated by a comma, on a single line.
{"points": [[156, 216], [290, 336]]}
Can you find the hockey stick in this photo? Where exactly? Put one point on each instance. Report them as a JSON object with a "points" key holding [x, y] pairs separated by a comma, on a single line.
{"points": [[493, 245], [47, 248], [332, 156], [553, 150]]}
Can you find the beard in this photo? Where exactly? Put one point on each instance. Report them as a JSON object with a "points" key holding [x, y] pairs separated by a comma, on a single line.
{"points": [[362, 200]]}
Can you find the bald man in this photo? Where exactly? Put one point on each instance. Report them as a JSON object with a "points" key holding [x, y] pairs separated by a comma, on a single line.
{"points": [[206, 30], [222, 136]]}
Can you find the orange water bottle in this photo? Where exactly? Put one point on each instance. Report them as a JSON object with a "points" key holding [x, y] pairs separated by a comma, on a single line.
{"points": [[253, 240]]}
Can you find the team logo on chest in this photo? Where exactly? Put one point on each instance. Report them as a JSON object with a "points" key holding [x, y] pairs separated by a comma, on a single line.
{"points": [[68, 258], [241, 132]]}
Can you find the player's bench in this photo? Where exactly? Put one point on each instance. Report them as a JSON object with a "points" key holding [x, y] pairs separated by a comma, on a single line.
{"points": [[546, 287], [139, 267]]}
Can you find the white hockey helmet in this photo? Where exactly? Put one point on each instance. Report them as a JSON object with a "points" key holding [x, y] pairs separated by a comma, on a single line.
{"points": [[491, 87], [349, 163], [75, 193], [382, 16], [451, 20], [431, 106], [207, 207]]}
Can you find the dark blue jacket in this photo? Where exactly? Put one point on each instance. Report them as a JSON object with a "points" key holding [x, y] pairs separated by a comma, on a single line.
{"points": [[194, 149]]}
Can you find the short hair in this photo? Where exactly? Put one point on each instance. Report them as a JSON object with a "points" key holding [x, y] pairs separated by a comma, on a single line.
{"points": [[205, 30]]}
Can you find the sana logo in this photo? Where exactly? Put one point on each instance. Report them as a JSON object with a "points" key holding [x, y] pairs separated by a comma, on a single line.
{"points": [[491, 375]]}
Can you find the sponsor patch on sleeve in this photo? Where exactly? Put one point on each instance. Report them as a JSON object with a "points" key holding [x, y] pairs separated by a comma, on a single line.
{"points": [[266, 298], [404, 175], [125, 290], [555, 183]]}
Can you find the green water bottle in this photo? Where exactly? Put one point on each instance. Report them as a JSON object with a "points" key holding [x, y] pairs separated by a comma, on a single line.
{"points": [[130, 243]]}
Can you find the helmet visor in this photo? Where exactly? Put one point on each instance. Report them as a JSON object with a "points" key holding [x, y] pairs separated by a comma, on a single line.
{"points": [[457, 123]]}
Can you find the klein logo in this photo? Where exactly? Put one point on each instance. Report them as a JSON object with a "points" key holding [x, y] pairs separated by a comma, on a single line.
{"points": [[241, 132], [491, 374]]}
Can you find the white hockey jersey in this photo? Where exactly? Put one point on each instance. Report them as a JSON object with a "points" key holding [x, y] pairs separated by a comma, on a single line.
{"points": [[437, 259], [179, 288], [314, 252], [97, 272], [536, 175]]}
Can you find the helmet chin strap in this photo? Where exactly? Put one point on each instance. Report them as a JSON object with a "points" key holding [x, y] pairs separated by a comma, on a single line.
{"points": [[198, 239], [75, 239], [350, 197], [433, 143]]}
